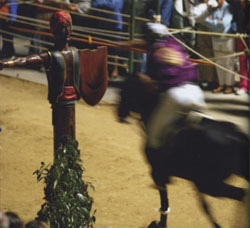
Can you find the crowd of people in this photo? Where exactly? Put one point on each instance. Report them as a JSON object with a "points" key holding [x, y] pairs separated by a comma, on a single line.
{"points": [[211, 16], [10, 219], [216, 16]]}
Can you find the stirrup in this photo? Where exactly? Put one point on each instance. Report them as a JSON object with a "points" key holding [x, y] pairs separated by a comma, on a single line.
{"points": [[163, 212]]}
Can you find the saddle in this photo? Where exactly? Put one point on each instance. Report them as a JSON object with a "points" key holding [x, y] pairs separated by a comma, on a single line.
{"points": [[194, 117]]}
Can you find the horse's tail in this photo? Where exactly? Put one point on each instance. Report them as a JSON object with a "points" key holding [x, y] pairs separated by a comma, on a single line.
{"points": [[234, 141], [242, 155], [239, 142]]}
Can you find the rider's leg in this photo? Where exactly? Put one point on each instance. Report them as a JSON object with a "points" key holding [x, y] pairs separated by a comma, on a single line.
{"points": [[172, 106]]}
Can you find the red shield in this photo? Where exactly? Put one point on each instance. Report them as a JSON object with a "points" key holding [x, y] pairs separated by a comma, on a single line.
{"points": [[94, 74]]}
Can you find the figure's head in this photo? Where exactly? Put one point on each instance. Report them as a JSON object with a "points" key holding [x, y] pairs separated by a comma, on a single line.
{"points": [[154, 31], [61, 25]]}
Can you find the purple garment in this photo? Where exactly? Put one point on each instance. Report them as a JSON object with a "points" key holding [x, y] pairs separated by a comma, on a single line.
{"points": [[170, 75]]}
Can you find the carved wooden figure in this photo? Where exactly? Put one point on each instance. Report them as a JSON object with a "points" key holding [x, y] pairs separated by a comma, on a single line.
{"points": [[71, 74]]}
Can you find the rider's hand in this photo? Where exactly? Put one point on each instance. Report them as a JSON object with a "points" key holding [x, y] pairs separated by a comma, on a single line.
{"points": [[149, 85], [73, 7]]}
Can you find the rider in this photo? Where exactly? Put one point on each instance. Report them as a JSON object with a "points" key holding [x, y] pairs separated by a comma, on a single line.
{"points": [[175, 76]]}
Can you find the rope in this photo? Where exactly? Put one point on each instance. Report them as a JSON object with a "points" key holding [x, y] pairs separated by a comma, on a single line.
{"points": [[124, 58], [25, 37], [76, 13], [229, 56], [46, 27], [243, 41], [101, 10], [119, 64], [25, 18], [125, 23], [211, 33], [114, 45], [14, 3], [45, 49], [109, 12], [77, 28], [99, 33], [185, 30], [75, 38], [26, 45], [84, 29], [208, 62], [207, 59]]}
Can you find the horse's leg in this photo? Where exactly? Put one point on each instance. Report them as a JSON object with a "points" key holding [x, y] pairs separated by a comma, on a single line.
{"points": [[207, 210], [163, 210], [164, 206]]}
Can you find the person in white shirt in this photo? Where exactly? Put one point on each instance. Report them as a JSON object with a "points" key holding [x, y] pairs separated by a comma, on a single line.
{"points": [[219, 20], [207, 73]]}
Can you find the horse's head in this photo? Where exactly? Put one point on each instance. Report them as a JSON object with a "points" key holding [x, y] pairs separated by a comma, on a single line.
{"points": [[136, 96]]}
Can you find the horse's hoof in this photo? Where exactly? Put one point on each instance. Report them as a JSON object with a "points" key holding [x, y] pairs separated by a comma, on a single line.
{"points": [[154, 224]]}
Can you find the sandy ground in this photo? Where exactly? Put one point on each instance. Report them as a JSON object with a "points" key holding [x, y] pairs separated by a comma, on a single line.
{"points": [[113, 158]]}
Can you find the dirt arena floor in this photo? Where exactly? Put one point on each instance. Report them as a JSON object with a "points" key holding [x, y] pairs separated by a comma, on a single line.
{"points": [[114, 162]]}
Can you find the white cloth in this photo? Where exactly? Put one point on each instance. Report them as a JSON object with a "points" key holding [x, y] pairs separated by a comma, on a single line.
{"points": [[200, 13], [187, 94], [157, 28], [222, 47]]}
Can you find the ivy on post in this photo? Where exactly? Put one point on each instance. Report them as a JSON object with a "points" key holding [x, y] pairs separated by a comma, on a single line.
{"points": [[67, 202]]}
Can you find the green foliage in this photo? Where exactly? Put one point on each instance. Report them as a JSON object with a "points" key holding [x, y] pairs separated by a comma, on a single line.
{"points": [[67, 203]]}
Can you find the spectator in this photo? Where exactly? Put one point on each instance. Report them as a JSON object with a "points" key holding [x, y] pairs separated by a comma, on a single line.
{"points": [[117, 7], [240, 10], [182, 17], [219, 20], [7, 6], [44, 15], [166, 7], [83, 7], [14, 220], [207, 74], [148, 9]]}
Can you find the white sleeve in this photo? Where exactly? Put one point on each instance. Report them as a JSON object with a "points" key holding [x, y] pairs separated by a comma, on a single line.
{"points": [[201, 12]]}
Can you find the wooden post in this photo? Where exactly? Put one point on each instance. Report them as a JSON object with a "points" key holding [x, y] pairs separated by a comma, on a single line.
{"points": [[63, 120], [158, 10]]}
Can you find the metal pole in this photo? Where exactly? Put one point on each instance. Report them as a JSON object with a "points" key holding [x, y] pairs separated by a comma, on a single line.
{"points": [[131, 35], [158, 10]]}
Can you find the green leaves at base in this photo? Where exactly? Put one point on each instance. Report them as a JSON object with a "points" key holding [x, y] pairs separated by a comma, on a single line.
{"points": [[67, 202]]}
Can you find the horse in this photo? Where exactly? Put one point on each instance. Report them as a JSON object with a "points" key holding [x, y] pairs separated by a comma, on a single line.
{"points": [[205, 153]]}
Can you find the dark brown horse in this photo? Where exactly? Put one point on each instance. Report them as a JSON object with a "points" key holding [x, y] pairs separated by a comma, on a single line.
{"points": [[205, 153]]}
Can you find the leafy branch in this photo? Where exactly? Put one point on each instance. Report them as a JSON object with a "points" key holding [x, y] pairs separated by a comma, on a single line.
{"points": [[67, 202]]}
